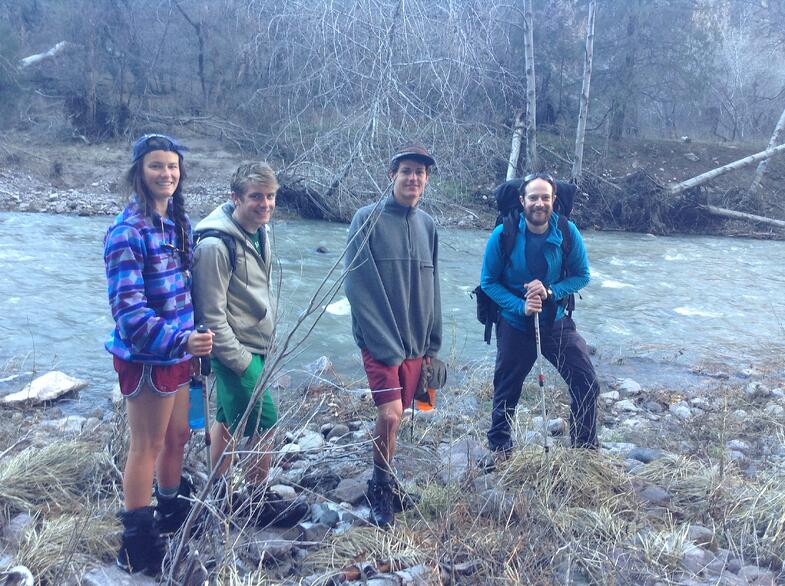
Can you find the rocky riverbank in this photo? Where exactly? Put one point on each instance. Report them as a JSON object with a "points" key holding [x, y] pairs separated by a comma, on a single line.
{"points": [[687, 488]]}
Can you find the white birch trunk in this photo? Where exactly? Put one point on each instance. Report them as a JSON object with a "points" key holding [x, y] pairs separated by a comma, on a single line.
{"points": [[580, 132], [735, 165], [50, 54], [532, 164], [759, 172], [515, 149], [734, 215]]}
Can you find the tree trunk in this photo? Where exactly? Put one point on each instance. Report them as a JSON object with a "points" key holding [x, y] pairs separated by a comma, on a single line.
{"points": [[197, 26], [734, 215], [580, 133], [735, 165], [50, 54], [515, 149], [755, 185], [625, 91], [532, 164]]}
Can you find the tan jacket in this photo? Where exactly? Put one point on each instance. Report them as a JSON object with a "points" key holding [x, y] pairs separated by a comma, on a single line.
{"points": [[236, 305]]}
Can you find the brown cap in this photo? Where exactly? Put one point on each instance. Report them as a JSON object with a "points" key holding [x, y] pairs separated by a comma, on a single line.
{"points": [[413, 151]]}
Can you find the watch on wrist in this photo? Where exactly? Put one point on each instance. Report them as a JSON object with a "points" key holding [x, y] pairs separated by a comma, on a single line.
{"points": [[549, 292]]}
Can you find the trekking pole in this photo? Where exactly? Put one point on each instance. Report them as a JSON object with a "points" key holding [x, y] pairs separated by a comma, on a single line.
{"points": [[541, 380], [204, 371]]}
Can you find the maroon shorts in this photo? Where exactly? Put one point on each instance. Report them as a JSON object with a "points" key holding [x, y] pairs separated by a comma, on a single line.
{"points": [[392, 383], [161, 380]]}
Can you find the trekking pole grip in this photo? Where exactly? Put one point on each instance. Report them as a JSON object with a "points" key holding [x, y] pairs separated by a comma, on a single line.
{"points": [[204, 361]]}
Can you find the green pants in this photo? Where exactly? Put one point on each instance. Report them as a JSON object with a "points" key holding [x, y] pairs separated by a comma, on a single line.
{"points": [[233, 393]]}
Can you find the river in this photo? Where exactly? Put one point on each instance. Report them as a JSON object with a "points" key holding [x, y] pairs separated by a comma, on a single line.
{"points": [[656, 308]]}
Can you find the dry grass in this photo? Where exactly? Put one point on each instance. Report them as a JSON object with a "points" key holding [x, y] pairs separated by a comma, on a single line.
{"points": [[51, 479], [64, 545]]}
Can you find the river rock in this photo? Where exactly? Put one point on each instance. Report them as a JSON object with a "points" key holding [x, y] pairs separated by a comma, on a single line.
{"points": [[775, 411], [756, 575], [17, 527], [756, 390], [681, 410], [459, 458], [496, 504], [653, 406], [273, 542], [628, 388], [324, 514], [610, 396], [339, 430], [695, 558], [310, 440], [737, 444], [47, 387], [557, 426], [290, 451], [350, 490], [320, 481], [655, 495], [702, 536], [286, 493], [627, 405], [310, 531], [645, 455]]}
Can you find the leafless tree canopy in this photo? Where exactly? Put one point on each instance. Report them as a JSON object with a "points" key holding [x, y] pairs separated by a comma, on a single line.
{"points": [[328, 88]]}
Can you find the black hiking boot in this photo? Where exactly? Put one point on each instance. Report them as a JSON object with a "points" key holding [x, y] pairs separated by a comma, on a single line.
{"points": [[380, 499], [401, 499], [141, 548], [171, 513]]}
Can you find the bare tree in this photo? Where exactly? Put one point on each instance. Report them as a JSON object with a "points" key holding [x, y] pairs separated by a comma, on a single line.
{"points": [[583, 114], [761, 169], [531, 93]]}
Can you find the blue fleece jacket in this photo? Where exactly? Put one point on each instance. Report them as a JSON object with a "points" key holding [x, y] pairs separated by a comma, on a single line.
{"points": [[499, 279]]}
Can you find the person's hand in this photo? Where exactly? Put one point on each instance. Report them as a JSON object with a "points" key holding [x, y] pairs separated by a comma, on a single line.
{"points": [[533, 305], [200, 344], [535, 288]]}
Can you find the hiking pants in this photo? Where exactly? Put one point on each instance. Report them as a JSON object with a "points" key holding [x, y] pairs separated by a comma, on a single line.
{"points": [[516, 352]]}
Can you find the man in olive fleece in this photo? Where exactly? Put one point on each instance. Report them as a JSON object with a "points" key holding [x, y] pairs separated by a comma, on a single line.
{"points": [[392, 284]]}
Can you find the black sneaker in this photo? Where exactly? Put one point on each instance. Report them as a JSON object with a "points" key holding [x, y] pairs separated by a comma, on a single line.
{"points": [[171, 513], [380, 499]]}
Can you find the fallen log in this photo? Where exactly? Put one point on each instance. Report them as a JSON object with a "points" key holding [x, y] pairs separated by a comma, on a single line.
{"points": [[45, 56], [734, 215], [735, 165]]}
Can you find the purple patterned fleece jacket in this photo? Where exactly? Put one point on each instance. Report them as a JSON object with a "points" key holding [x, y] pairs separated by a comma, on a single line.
{"points": [[149, 288]]}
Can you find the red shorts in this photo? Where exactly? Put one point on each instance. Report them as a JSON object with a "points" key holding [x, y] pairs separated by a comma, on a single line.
{"points": [[161, 380], [392, 383]]}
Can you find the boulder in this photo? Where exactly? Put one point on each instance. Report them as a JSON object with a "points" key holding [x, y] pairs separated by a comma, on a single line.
{"points": [[350, 490], [628, 387], [47, 387], [459, 458]]}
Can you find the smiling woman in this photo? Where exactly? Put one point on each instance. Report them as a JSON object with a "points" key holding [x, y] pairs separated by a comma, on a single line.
{"points": [[147, 258]]}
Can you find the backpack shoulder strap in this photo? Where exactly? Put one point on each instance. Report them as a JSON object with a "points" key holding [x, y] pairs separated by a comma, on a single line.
{"points": [[509, 232], [228, 241], [566, 247]]}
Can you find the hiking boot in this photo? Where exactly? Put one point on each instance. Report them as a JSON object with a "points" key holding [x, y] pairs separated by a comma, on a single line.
{"points": [[401, 499], [380, 499], [271, 509], [171, 513], [141, 547]]}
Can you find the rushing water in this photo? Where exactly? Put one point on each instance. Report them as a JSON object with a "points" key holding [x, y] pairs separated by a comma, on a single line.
{"points": [[656, 304]]}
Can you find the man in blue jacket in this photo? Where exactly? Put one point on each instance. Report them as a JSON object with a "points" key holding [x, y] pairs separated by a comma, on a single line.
{"points": [[531, 281]]}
